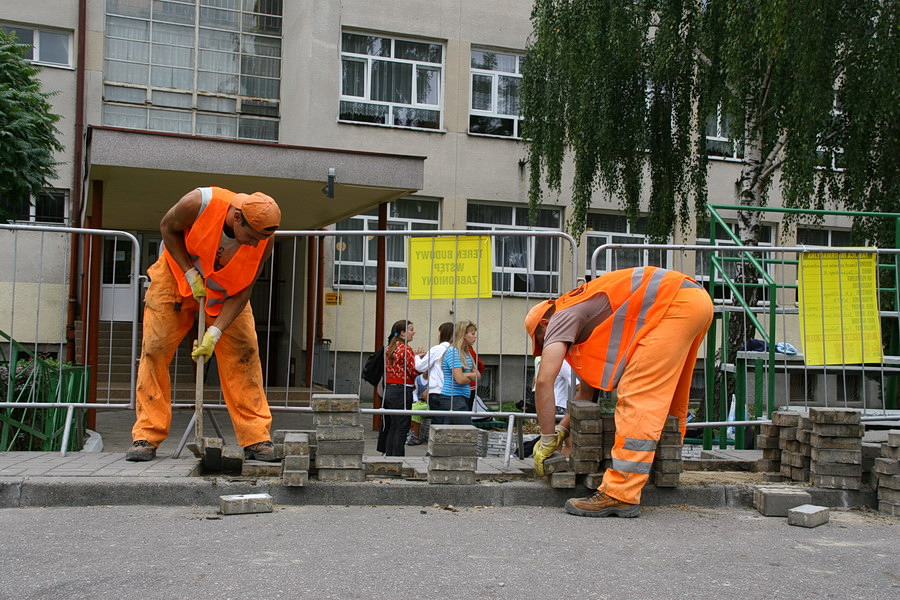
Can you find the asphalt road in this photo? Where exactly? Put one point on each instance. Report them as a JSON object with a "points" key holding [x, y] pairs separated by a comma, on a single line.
{"points": [[406, 553]]}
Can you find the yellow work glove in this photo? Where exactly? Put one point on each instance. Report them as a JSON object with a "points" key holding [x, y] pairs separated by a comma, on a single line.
{"points": [[195, 280], [562, 433], [205, 347], [547, 445]]}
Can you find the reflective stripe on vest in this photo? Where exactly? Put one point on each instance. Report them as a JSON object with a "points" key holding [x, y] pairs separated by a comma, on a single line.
{"points": [[639, 445], [631, 466]]}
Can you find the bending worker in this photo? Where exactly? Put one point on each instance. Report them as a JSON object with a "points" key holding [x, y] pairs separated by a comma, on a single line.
{"points": [[634, 330], [216, 242]]}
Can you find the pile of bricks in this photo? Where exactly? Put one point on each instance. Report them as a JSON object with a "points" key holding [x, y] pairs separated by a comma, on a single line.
{"points": [[339, 437], [886, 475], [794, 464], [295, 467], [453, 454], [768, 441], [667, 463], [586, 434], [836, 448]]}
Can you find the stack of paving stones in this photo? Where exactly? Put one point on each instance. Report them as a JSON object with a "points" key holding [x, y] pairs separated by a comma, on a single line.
{"points": [[667, 462], [586, 435], [767, 440], [886, 475], [794, 466], [295, 467], [836, 448], [609, 439], [453, 454], [804, 435], [339, 437]]}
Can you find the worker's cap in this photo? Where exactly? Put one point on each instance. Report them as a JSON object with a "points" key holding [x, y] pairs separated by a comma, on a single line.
{"points": [[259, 210], [533, 318]]}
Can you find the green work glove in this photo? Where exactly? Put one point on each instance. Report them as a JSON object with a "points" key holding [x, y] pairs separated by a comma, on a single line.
{"points": [[195, 280], [547, 445], [205, 347]]}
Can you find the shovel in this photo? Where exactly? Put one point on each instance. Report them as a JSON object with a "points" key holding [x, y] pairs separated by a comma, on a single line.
{"points": [[197, 446]]}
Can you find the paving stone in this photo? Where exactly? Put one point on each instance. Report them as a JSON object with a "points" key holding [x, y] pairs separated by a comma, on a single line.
{"points": [[452, 463], [808, 515], [582, 467], [586, 439], [211, 448], [660, 479], [341, 475], [800, 474], [785, 418], [889, 508], [893, 438], [241, 504], [562, 479], [772, 453], [339, 461], [584, 409], [296, 444], [787, 434], [890, 452], [593, 480], [766, 441], [337, 418], [343, 433], [670, 438], [586, 425], [886, 494], [835, 416], [668, 453], [832, 430], [451, 477], [384, 466], [296, 463], [453, 434], [668, 466], [294, 478], [279, 434], [334, 403], [836, 482], [556, 462], [451, 449], [835, 442], [772, 501], [840, 469], [594, 453], [232, 460], [886, 466], [764, 464], [769, 430], [259, 468], [341, 447], [853, 457]]}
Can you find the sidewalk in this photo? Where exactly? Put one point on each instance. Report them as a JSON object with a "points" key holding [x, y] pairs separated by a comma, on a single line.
{"points": [[106, 478]]}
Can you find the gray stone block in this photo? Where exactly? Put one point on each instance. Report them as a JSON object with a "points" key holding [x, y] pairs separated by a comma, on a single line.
{"points": [[339, 461], [835, 442], [664, 480], [594, 453], [766, 441], [668, 438], [836, 482], [889, 508], [582, 467], [668, 466], [772, 454], [241, 504], [452, 463], [334, 433], [593, 480], [337, 418], [296, 444], [787, 434], [890, 452], [232, 460], [562, 479], [769, 429], [341, 475], [296, 463], [451, 477], [838, 469], [334, 403], [886, 494], [893, 438], [776, 501], [586, 439], [258, 468], [834, 430], [278, 435], [785, 418], [212, 454], [886, 466], [451, 449], [583, 409], [835, 416], [384, 466], [853, 457], [556, 462], [454, 434], [808, 515], [341, 447], [586, 425], [294, 478]]}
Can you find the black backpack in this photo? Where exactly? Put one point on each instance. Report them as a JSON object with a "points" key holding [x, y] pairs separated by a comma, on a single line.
{"points": [[373, 370]]}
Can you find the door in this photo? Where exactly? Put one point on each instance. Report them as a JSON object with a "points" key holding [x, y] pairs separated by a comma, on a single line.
{"points": [[116, 296]]}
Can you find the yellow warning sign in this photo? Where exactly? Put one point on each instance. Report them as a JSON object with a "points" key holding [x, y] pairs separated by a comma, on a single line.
{"points": [[450, 267], [838, 299]]}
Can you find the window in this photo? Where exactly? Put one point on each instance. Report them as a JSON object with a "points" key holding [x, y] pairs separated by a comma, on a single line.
{"points": [[45, 46], [718, 137], [522, 265], [356, 257], [494, 106], [614, 229], [808, 236], [701, 264], [394, 82], [210, 68], [50, 206]]}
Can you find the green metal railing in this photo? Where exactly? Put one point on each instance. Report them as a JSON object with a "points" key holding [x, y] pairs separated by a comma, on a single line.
{"points": [[26, 378], [765, 321]]}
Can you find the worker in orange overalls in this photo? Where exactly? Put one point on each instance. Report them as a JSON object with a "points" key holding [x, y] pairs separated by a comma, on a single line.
{"points": [[216, 242], [634, 330]]}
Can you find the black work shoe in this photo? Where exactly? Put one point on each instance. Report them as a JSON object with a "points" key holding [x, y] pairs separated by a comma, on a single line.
{"points": [[601, 505], [141, 451], [261, 451]]}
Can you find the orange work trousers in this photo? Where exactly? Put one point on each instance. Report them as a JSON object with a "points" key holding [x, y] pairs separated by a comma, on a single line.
{"points": [[656, 383], [168, 317]]}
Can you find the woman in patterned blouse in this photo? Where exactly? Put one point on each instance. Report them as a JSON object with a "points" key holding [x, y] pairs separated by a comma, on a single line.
{"points": [[400, 380]]}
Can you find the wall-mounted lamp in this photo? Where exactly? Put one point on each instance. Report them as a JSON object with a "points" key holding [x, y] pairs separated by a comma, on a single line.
{"points": [[328, 190]]}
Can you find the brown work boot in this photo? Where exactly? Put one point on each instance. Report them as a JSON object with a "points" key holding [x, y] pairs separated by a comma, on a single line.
{"points": [[261, 451], [141, 451], [601, 505]]}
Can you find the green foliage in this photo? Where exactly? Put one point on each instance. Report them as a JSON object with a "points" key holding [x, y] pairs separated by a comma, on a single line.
{"points": [[624, 89], [28, 134]]}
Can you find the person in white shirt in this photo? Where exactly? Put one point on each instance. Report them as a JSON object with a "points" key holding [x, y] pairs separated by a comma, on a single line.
{"points": [[430, 363]]}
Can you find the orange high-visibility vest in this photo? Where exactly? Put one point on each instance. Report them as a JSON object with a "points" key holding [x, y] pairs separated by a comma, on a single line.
{"points": [[638, 297], [202, 241]]}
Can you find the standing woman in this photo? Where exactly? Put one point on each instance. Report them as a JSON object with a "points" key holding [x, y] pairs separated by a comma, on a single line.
{"points": [[459, 370], [400, 380]]}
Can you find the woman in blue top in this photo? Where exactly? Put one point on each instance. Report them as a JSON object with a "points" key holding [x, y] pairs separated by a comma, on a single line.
{"points": [[459, 373]]}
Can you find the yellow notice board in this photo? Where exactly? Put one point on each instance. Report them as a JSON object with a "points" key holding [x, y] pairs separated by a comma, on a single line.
{"points": [[839, 308], [449, 267]]}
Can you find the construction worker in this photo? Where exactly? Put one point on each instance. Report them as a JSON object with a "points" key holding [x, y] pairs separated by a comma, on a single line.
{"points": [[216, 242], [633, 330]]}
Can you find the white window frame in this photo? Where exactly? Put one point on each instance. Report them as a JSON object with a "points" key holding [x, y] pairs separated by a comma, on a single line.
{"points": [[369, 60], [606, 262], [495, 75], [722, 137], [829, 234], [37, 33], [238, 112], [369, 261], [519, 215], [704, 278]]}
